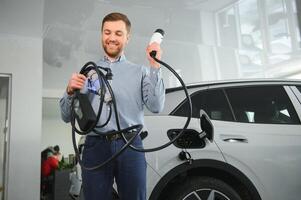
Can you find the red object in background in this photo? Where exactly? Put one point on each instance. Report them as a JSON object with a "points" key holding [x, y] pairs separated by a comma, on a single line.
{"points": [[49, 165]]}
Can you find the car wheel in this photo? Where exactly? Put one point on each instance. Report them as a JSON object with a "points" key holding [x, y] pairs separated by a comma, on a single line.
{"points": [[204, 188]]}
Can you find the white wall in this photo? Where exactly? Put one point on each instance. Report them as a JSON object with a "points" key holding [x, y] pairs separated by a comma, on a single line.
{"points": [[21, 49], [22, 57], [54, 130], [57, 132], [2, 136]]}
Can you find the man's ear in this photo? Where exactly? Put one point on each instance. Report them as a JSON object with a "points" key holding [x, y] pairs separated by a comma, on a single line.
{"points": [[128, 38]]}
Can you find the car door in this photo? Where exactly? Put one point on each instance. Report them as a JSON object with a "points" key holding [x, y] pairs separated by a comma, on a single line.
{"points": [[264, 141]]}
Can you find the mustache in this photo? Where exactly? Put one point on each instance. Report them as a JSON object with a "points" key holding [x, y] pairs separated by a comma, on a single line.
{"points": [[112, 42]]}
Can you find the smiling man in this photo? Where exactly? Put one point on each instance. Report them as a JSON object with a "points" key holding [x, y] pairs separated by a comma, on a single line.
{"points": [[115, 36], [134, 87]]}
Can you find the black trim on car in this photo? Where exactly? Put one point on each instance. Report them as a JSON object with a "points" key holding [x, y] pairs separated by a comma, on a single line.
{"points": [[200, 165], [230, 105]]}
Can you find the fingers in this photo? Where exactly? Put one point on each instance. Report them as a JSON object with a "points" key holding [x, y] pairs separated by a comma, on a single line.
{"points": [[154, 47], [77, 81]]}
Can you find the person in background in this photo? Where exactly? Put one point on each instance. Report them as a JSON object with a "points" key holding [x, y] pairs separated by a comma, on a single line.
{"points": [[49, 164], [57, 152]]}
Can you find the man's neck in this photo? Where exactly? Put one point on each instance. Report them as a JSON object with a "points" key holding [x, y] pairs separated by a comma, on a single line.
{"points": [[111, 59]]}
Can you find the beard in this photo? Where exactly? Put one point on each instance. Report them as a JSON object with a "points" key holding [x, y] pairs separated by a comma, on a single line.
{"points": [[112, 52]]}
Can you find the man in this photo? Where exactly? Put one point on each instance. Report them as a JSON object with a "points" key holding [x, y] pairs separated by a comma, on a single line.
{"points": [[134, 86]]}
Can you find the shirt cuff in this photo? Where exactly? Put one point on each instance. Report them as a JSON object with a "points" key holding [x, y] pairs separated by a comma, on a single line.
{"points": [[68, 98]]}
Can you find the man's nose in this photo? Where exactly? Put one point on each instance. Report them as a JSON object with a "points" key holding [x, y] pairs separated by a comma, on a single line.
{"points": [[112, 37]]}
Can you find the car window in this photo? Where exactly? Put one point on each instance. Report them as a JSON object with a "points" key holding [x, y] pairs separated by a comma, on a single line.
{"points": [[213, 102], [262, 104]]}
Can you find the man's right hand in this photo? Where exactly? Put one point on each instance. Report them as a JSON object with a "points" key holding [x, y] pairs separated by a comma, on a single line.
{"points": [[77, 81]]}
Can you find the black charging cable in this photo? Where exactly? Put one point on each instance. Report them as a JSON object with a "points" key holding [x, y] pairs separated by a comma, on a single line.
{"points": [[103, 81], [91, 124], [153, 55]]}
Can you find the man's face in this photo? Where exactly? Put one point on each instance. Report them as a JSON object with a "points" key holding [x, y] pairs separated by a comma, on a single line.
{"points": [[114, 38]]}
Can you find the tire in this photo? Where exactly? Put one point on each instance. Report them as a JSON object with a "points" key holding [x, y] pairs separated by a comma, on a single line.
{"points": [[205, 188]]}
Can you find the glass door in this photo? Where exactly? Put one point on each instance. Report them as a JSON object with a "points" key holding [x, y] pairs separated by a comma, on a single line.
{"points": [[5, 89]]}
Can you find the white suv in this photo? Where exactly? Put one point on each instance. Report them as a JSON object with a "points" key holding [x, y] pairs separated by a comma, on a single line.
{"points": [[256, 151]]}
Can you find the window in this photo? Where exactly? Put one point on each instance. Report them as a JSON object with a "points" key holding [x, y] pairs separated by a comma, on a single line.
{"points": [[280, 38], [213, 102], [227, 24], [264, 104], [251, 39]]}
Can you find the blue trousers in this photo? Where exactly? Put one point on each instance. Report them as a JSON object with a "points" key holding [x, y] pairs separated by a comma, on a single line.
{"points": [[129, 170]]}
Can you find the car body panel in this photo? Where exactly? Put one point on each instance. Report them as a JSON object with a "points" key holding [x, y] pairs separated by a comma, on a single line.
{"points": [[268, 154], [269, 149], [152, 179], [166, 159]]}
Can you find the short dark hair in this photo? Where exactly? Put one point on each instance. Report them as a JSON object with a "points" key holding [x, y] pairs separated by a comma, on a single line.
{"points": [[56, 148], [115, 16]]}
